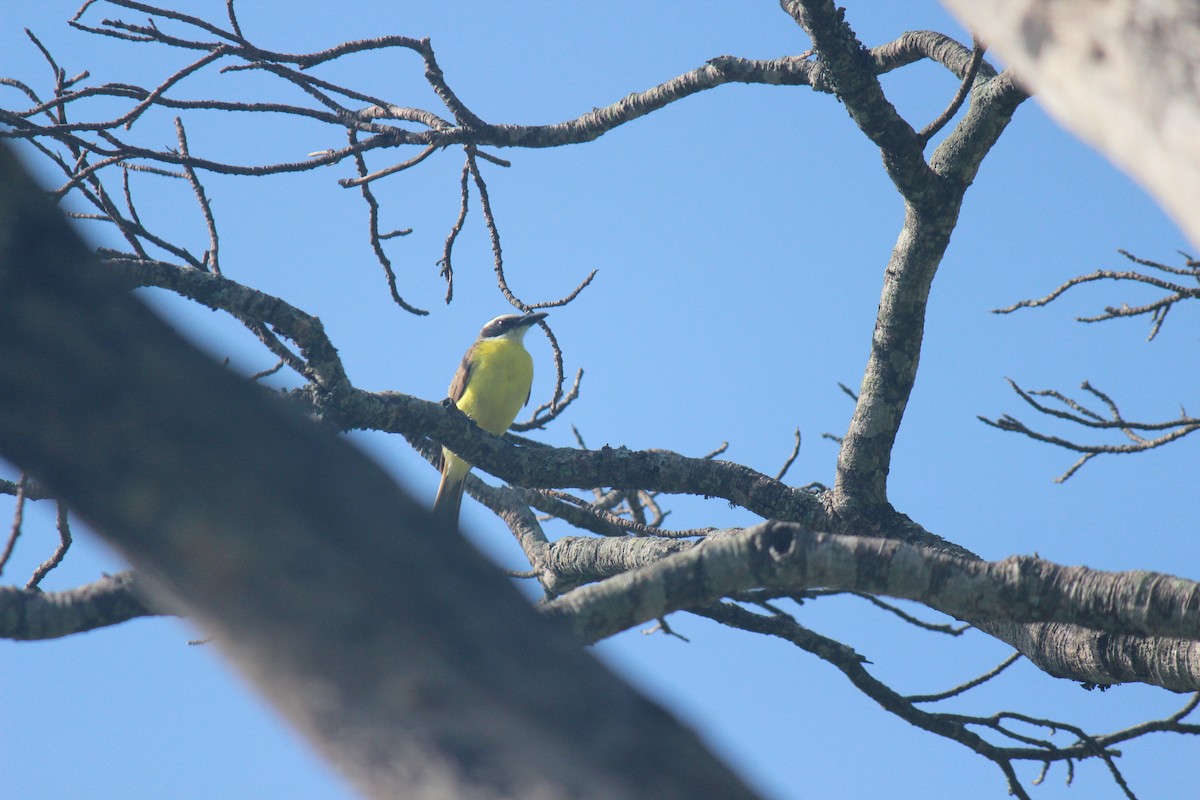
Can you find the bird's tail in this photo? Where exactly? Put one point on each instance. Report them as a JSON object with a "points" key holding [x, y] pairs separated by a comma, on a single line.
{"points": [[450, 491]]}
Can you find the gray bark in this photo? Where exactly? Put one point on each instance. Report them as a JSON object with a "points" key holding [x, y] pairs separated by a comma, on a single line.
{"points": [[1122, 74]]}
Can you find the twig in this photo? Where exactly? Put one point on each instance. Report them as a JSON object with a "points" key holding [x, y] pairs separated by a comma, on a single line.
{"points": [[364, 178], [971, 684], [1080, 414], [661, 626], [213, 254], [375, 237], [633, 526], [964, 88], [258, 376], [64, 544], [489, 219], [951, 630], [18, 518], [791, 459], [447, 266], [1157, 310]]}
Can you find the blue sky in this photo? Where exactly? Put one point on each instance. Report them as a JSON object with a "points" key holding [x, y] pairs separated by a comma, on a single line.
{"points": [[740, 238]]}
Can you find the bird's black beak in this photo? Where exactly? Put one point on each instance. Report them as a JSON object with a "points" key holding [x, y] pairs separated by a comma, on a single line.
{"points": [[533, 317]]}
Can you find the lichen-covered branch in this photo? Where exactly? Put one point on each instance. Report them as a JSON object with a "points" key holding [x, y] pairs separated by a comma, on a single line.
{"points": [[933, 195], [1020, 589], [847, 66]]}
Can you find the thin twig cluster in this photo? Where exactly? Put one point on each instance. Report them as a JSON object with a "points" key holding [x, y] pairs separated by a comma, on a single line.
{"points": [[1107, 416]]}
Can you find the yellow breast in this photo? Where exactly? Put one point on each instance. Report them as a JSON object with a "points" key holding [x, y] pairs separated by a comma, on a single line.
{"points": [[498, 386]]}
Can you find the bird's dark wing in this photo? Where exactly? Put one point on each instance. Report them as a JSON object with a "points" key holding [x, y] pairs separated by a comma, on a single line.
{"points": [[459, 384]]}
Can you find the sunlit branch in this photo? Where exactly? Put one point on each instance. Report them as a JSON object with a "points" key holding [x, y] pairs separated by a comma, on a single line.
{"points": [[779, 555]]}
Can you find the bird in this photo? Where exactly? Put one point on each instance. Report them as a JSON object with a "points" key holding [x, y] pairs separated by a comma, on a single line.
{"points": [[491, 386]]}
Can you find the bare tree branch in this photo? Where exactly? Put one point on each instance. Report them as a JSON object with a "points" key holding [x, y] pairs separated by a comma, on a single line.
{"points": [[60, 552], [1157, 309], [1079, 414], [29, 614], [1018, 589], [1112, 419], [933, 194], [964, 687], [968, 81], [377, 238], [791, 459], [18, 520], [847, 67], [547, 467]]}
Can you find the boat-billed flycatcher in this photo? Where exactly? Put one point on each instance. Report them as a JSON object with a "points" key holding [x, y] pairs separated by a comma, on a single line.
{"points": [[492, 384]]}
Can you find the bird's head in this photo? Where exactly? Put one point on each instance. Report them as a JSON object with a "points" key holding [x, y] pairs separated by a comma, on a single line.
{"points": [[511, 326]]}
